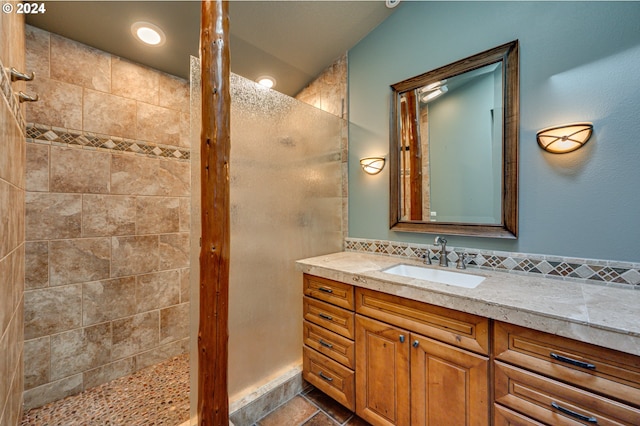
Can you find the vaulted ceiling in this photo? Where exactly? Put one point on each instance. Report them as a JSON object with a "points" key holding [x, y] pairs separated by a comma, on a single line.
{"points": [[290, 40]]}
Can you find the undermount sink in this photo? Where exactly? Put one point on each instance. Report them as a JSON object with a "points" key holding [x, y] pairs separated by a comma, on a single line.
{"points": [[436, 275]]}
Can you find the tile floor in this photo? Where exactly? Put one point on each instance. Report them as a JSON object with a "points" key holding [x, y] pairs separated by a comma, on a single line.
{"points": [[156, 395], [159, 395], [310, 408]]}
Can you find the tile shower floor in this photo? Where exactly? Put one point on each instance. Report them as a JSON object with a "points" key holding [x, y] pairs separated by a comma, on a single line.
{"points": [[159, 395], [156, 395]]}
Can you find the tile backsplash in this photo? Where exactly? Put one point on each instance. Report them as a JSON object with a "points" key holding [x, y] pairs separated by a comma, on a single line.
{"points": [[604, 272]]}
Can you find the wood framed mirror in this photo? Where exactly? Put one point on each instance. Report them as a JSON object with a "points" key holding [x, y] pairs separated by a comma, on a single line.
{"points": [[453, 150]]}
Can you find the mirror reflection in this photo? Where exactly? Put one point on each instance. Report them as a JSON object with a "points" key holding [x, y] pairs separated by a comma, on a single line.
{"points": [[451, 149], [454, 147]]}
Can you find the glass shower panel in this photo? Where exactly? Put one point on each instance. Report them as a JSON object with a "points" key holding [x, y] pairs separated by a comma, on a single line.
{"points": [[286, 204]]}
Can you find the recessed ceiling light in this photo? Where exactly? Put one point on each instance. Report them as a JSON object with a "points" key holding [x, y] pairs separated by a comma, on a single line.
{"points": [[148, 33], [267, 81]]}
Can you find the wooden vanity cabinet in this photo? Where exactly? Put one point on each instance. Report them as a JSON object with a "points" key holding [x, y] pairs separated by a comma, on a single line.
{"points": [[328, 357], [397, 361], [560, 381], [406, 378]]}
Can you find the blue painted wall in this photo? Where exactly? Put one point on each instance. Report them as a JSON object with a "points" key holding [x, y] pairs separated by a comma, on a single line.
{"points": [[579, 61]]}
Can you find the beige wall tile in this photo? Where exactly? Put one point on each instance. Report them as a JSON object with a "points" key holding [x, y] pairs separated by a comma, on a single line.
{"points": [[80, 64], [108, 114], [161, 353], [156, 215], [134, 255], [53, 391], [185, 285], [109, 372], [185, 214], [52, 310], [135, 175], [11, 217], [173, 93], [79, 350], [51, 216], [174, 323], [185, 130], [37, 354], [134, 81], [174, 251], [108, 300], [107, 215], [60, 103], [9, 289], [175, 178], [157, 290], [36, 265], [13, 158], [79, 170], [135, 334], [79, 260], [157, 124], [37, 51], [37, 177]]}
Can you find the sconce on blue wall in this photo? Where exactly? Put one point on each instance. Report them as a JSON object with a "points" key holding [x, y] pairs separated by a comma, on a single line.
{"points": [[372, 165], [565, 138]]}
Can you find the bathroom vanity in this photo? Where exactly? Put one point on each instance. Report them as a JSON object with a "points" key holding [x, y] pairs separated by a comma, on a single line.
{"points": [[515, 350]]}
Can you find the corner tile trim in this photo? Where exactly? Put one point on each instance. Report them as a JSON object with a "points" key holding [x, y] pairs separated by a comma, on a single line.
{"points": [[10, 97], [50, 135], [594, 271]]}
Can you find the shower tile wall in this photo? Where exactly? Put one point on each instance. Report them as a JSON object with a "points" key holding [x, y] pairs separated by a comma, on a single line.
{"points": [[107, 218], [12, 192]]}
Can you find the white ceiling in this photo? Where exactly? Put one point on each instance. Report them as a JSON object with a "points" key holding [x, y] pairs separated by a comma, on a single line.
{"points": [[290, 40]]}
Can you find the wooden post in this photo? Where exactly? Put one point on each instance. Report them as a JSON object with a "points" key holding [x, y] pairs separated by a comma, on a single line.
{"points": [[215, 141]]}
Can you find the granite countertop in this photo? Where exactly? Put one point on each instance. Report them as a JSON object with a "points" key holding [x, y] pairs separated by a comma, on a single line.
{"points": [[605, 316]]}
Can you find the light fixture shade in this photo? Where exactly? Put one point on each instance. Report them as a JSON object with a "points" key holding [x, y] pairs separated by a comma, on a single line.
{"points": [[148, 33], [565, 138], [372, 165]]}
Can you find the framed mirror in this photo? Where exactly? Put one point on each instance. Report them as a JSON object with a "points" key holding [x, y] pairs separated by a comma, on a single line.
{"points": [[453, 151]]}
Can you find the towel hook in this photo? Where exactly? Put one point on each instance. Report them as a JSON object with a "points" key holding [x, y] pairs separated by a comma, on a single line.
{"points": [[23, 97], [17, 75]]}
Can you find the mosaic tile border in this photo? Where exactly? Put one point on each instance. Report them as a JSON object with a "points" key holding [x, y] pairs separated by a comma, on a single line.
{"points": [[603, 272], [10, 96], [51, 135]]}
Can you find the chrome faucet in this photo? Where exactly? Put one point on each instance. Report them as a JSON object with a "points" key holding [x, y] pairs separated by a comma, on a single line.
{"points": [[443, 251]]}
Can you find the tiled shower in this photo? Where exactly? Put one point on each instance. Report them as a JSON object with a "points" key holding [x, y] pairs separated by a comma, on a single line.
{"points": [[107, 218]]}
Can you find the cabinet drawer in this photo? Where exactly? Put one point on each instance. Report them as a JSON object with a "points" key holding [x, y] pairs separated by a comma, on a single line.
{"points": [[330, 377], [330, 344], [328, 316], [454, 327], [333, 292], [553, 402], [597, 369], [505, 417]]}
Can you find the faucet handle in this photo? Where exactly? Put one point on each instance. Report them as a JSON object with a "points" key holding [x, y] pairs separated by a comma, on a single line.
{"points": [[427, 257], [462, 261]]}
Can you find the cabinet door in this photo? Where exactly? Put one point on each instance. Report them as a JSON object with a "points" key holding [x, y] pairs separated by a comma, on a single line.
{"points": [[449, 386], [382, 373]]}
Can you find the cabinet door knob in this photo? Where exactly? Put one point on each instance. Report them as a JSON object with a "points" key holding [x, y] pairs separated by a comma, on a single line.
{"points": [[401, 338], [416, 343]]}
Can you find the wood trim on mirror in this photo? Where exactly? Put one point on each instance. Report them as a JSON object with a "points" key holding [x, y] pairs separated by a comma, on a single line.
{"points": [[508, 228]]}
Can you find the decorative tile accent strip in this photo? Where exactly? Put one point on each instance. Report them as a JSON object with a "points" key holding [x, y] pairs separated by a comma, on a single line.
{"points": [[10, 97], [603, 272], [43, 134]]}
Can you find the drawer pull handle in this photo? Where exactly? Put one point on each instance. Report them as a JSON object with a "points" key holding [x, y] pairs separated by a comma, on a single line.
{"points": [[325, 316], [326, 290], [573, 361], [574, 414], [325, 344], [328, 379]]}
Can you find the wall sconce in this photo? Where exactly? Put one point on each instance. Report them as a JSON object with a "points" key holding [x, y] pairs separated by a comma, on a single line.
{"points": [[565, 138], [372, 165]]}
